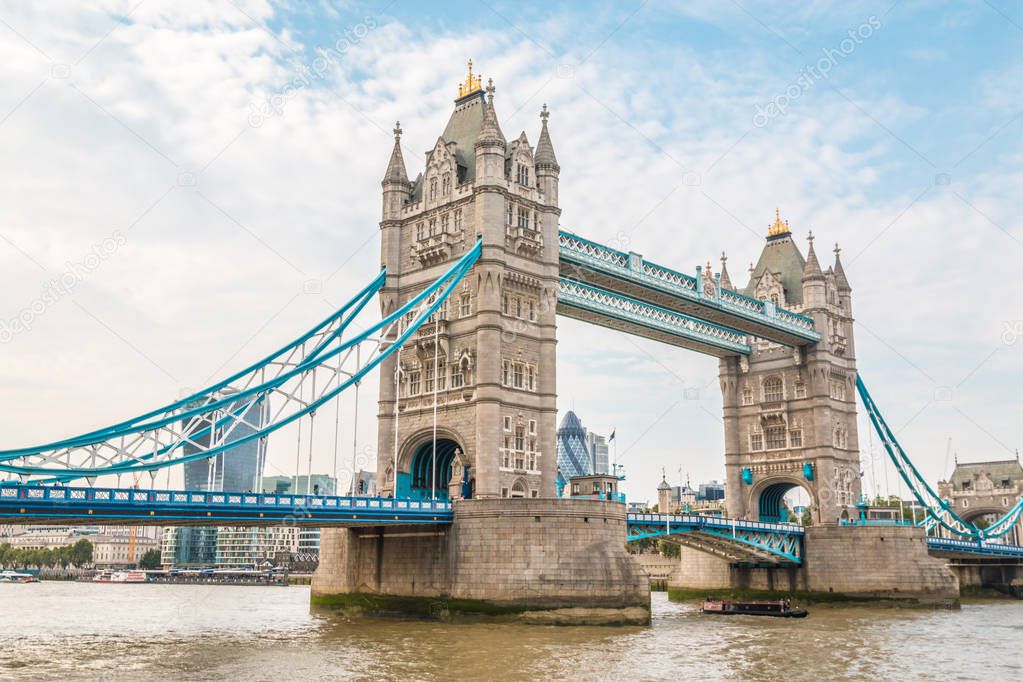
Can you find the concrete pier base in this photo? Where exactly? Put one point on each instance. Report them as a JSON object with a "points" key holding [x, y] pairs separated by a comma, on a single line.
{"points": [[534, 560], [988, 577], [840, 563]]}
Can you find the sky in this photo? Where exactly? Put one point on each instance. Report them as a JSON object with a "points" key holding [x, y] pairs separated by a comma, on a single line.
{"points": [[204, 178]]}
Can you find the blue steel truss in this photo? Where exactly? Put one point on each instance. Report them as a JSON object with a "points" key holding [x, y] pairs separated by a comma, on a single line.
{"points": [[33, 504], [732, 539], [289, 384], [939, 512], [573, 294], [588, 255]]}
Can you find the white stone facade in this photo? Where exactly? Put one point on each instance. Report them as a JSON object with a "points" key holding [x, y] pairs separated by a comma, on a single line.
{"points": [[790, 414], [495, 349]]}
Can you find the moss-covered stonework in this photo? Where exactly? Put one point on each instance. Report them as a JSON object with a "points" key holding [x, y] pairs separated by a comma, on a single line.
{"points": [[455, 610], [802, 597]]}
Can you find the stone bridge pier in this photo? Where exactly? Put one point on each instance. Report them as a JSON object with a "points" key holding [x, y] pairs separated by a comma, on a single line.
{"points": [[531, 560], [840, 564]]}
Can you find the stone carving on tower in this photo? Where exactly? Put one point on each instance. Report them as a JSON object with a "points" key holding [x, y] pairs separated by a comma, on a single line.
{"points": [[494, 341], [790, 414]]}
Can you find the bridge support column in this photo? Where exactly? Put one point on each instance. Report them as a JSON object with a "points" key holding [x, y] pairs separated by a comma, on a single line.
{"points": [[988, 577], [840, 563], [532, 560]]}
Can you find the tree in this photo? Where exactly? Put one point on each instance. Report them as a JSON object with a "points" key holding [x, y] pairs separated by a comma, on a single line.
{"points": [[669, 549], [81, 553], [807, 517], [150, 560]]}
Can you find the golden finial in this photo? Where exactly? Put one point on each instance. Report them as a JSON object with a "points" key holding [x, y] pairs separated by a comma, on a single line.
{"points": [[779, 227], [472, 84]]}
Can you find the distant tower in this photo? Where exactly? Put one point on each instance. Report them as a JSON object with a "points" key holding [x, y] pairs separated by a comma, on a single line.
{"points": [[790, 414], [496, 336], [664, 495]]}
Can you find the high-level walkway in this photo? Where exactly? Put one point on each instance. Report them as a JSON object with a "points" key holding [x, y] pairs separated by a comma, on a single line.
{"points": [[605, 286]]}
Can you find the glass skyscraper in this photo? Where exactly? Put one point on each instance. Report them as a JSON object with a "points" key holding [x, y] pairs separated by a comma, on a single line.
{"points": [[574, 457], [236, 469]]}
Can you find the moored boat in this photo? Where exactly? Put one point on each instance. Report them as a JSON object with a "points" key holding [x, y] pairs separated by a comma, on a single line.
{"points": [[779, 609], [15, 577], [121, 577]]}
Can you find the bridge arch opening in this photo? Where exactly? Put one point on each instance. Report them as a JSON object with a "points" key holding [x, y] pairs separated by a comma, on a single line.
{"points": [[782, 502], [421, 470], [983, 517]]}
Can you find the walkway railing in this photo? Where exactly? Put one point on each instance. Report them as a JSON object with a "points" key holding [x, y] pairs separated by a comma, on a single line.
{"points": [[575, 249], [30, 504], [595, 300]]}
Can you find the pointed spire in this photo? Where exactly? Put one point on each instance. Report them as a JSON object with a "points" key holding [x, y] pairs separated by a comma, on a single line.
{"points": [[544, 149], [812, 269], [490, 131], [726, 281], [470, 85], [779, 227], [396, 166], [840, 278]]}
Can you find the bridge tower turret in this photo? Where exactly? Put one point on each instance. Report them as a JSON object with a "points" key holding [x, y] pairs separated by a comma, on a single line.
{"points": [[494, 341], [790, 413]]}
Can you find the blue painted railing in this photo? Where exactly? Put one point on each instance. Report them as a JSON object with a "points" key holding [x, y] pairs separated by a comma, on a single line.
{"points": [[592, 299], [980, 548], [585, 253], [30, 504], [754, 540]]}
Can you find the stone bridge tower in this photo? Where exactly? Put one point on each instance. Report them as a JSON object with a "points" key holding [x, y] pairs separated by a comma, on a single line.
{"points": [[495, 338], [981, 492], [790, 414]]}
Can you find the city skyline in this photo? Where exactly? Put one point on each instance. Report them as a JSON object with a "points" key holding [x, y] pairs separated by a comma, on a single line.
{"points": [[664, 155]]}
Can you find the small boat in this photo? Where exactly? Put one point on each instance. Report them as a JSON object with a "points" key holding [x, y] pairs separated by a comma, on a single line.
{"points": [[779, 609], [121, 577], [15, 577]]}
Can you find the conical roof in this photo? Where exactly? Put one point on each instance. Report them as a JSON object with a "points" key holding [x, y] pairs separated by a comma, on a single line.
{"points": [[726, 281], [544, 148], [396, 166], [490, 130], [812, 268], [840, 278]]}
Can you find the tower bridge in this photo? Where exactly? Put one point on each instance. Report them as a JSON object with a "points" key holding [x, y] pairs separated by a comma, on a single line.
{"points": [[474, 271]]}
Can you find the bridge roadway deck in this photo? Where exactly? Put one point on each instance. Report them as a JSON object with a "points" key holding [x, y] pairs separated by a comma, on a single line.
{"points": [[38, 505], [733, 538]]}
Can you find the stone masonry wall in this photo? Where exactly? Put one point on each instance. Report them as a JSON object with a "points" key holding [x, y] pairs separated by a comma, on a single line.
{"points": [[538, 554], [403, 560], [546, 552], [875, 562]]}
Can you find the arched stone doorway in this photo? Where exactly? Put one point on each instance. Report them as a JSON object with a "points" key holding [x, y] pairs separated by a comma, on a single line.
{"points": [[423, 465], [769, 500], [518, 489]]}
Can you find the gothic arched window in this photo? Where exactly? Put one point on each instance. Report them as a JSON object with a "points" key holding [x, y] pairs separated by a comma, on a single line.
{"points": [[774, 390]]}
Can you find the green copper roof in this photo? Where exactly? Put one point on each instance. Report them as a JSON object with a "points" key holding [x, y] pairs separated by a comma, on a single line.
{"points": [[780, 256], [998, 471], [463, 128]]}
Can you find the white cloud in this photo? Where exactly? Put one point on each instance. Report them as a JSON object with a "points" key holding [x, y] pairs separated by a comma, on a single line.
{"points": [[212, 273]]}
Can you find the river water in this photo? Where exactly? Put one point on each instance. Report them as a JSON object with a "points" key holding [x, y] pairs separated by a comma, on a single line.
{"points": [[54, 630]]}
